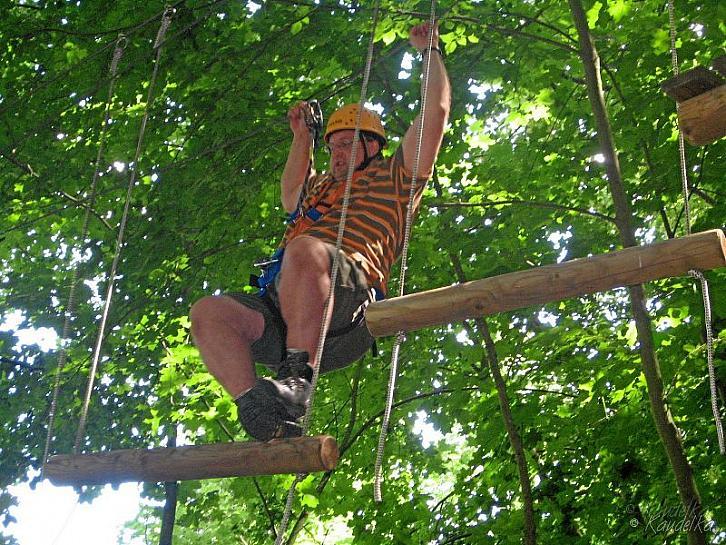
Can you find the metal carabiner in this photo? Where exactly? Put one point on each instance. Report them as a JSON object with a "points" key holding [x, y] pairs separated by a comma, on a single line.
{"points": [[314, 121], [265, 262]]}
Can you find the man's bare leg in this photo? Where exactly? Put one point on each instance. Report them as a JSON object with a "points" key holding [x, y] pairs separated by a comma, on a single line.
{"points": [[303, 289], [224, 330]]}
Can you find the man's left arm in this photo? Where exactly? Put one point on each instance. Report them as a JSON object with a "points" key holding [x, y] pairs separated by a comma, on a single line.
{"points": [[436, 109]]}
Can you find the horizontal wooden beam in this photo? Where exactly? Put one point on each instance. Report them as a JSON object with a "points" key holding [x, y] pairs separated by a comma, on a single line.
{"points": [[298, 455], [547, 284]]}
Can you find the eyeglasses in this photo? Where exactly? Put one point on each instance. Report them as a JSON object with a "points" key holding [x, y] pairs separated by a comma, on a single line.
{"points": [[342, 145]]}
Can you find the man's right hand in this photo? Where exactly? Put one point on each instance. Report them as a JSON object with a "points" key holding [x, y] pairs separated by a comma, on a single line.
{"points": [[297, 115]]}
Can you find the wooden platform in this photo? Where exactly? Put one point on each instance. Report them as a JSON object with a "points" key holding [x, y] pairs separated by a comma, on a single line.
{"points": [[548, 284], [701, 97], [299, 455]]}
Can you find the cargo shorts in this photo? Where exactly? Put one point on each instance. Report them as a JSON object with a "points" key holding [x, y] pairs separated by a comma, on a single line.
{"points": [[348, 337]]}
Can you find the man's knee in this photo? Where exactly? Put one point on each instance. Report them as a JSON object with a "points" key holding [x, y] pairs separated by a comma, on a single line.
{"points": [[213, 311], [204, 309], [306, 255]]}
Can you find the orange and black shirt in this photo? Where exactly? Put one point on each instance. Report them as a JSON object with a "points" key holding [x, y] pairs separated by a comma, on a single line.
{"points": [[376, 217]]}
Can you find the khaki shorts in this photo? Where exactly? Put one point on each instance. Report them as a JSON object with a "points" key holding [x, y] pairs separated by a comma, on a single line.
{"points": [[352, 295]]}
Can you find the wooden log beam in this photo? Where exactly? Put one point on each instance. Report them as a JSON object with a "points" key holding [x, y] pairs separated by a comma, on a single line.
{"points": [[298, 455], [547, 284], [703, 118]]}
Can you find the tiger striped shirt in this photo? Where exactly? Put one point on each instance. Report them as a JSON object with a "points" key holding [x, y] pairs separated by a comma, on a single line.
{"points": [[376, 216]]}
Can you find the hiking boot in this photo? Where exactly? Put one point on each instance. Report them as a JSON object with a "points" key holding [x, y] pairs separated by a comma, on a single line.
{"points": [[263, 415], [293, 384]]}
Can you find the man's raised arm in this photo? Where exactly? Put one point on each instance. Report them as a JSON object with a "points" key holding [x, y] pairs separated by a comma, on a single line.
{"points": [[298, 158], [436, 109]]}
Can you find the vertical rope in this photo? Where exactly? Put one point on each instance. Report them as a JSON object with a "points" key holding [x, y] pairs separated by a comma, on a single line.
{"points": [[681, 141], [327, 308], [708, 324], [166, 18], [71, 306], [696, 274], [400, 337]]}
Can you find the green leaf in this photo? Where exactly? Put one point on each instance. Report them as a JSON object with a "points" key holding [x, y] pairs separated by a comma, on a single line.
{"points": [[619, 9], [308, 500], [389, 37], [661, 41], [593, 14]]}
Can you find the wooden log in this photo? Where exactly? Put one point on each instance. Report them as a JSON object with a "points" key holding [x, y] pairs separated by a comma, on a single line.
{"points": [[547, 284], [691, 83], [703, 118], [719, 64], [298, 455]]}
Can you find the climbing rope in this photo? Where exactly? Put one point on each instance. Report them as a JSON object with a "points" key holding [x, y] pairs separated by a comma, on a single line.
{"points": [[327, 308], [165, 22], [121, 43], [696, 274], [400, 337]]}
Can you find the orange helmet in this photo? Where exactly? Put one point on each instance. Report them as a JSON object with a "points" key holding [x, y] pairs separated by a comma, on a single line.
{"points": [[344, 118]]}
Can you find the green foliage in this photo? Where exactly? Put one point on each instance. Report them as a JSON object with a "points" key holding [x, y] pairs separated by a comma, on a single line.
{"points": [[518, 185]]}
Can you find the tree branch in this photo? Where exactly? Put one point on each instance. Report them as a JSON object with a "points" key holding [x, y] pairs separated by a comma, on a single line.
{"points": [[21, 364], [25, 167], [525, 203], [85, 206], [368, 423], [490, 357], [266, 507]]}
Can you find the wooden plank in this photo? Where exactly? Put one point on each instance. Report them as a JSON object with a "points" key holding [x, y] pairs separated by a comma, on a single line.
{"points": [[703, 118], [298, 455], [547, 284], [719, 64], [691, 83]]}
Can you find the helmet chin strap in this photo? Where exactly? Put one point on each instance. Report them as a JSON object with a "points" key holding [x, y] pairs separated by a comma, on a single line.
{"points": [[366, 158]]}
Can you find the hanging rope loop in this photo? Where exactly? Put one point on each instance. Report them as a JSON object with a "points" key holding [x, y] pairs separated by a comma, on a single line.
{"points": [[400, 336], [80, 433], [121, 43], [696, 274], [327, 308], [165, 22], [70, 310]]}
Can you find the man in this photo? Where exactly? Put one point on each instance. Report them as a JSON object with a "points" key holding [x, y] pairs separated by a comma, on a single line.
{"points": [[282, 328]]}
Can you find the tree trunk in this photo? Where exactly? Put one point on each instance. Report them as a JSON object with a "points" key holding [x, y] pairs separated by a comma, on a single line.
{"points": [[530, 527], [169, 514], [669, 435], [515, 440]]}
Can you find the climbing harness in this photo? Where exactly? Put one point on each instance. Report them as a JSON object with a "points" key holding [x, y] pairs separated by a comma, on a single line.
{"points": [[300, 221], [696, 274]]}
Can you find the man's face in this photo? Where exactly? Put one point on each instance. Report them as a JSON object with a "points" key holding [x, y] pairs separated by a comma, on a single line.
{"points": [[340, 145]]}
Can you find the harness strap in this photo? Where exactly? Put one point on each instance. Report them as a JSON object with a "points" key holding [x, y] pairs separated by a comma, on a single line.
{"points": [[302, 222]]}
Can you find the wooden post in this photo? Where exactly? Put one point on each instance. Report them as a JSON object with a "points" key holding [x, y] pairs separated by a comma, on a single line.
{"points": [[298, 455], [703, 118], [547, 284]]}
